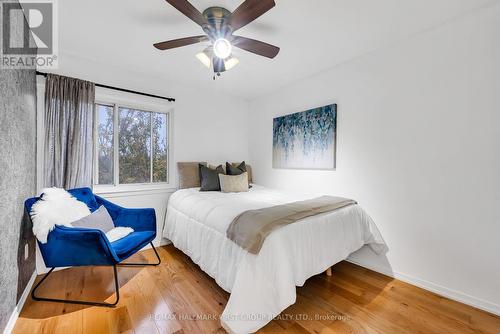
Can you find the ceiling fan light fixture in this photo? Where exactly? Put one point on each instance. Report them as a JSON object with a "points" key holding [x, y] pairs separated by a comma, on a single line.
{"points": [[204, 59], [222, 48], [230, 63]]}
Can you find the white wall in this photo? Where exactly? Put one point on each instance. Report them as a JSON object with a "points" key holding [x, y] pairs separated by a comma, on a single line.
{"points": [[208, 125], [418, 147]]}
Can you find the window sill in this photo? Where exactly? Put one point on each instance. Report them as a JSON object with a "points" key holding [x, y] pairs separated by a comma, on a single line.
{"points": [[134, 189]]}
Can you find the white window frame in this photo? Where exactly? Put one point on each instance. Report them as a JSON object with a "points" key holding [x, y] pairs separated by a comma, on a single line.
{"points": [[118, 100]]}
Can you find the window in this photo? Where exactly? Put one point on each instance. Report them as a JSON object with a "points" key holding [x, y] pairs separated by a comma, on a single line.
{"points": [[131, 146], [105, 144]]}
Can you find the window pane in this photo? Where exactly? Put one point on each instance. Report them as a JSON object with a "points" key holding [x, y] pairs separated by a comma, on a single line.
{"points": [[105, 142], [134, 146], [160, 144]]}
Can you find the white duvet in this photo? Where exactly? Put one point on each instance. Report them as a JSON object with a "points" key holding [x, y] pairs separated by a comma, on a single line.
{"points": [[262, 285]]}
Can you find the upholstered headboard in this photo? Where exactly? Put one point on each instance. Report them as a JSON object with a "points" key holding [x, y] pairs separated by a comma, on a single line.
{"points": [[189, 175]]}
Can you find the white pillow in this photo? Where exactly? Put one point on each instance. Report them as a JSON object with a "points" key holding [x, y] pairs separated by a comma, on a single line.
{"points": [[56, 207], [233, 183]]}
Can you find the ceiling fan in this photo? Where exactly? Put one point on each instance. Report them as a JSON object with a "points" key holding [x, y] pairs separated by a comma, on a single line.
{"points": [[219, 24]]}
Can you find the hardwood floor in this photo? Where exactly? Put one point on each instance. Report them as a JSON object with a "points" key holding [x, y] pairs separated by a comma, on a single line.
{"points": [[177, 297]]}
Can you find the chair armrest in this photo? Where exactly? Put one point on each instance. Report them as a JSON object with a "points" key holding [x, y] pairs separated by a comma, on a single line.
{"points": [[138, 219], [73, 246]]}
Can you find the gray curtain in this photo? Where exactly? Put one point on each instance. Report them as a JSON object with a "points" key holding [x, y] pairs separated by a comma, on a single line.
{"points": [[69, 113]]}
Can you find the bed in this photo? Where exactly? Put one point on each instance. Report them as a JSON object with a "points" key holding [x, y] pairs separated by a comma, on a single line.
{"points": [[262, 285]]}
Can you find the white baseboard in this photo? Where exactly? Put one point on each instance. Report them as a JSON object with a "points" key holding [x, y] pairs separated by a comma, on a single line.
{"points": [[438, 289], [157, 243], [17, 310], [165, 242]]}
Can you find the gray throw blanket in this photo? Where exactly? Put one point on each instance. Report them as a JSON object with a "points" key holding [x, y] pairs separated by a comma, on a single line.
{"points": [[250, 229]]}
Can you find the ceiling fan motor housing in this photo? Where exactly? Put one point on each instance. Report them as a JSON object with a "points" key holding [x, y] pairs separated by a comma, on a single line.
{"points": [[218, 23]]}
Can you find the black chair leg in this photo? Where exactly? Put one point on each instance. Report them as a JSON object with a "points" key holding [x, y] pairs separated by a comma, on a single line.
{"points": [[81, 302], [84, 302], [144, 264]]}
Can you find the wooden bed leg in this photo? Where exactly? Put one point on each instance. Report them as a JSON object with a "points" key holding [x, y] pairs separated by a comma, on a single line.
{"points": [[329, 272]]}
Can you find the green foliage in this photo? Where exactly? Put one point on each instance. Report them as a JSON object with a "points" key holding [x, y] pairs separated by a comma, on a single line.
{"points": [[160, 148], [142, 139], [134, 146], [105, 141]]}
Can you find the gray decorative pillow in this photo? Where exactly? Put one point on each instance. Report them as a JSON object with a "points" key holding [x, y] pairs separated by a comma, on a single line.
{"points": [[234, 183], [237, 169], [247, 167], [209, 178], [99, 219]]}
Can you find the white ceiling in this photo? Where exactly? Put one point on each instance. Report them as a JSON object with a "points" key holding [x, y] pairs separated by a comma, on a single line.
{"points": [[313, 35]]}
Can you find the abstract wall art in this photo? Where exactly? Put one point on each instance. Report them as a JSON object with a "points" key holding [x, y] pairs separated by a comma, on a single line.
{"points": [[306, 140]]}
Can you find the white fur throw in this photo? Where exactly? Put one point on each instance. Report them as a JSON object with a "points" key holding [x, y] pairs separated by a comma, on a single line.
{"points": [[118, 233], [56, 207]]}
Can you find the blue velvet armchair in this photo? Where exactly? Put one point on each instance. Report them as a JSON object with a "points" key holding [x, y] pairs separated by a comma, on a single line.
{"points": [[72, 246]]}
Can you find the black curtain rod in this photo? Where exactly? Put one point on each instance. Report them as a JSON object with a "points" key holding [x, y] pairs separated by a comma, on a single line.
{"points": [[170, 99]]}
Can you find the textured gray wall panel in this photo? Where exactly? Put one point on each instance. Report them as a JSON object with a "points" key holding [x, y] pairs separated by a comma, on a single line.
{"points": [[17, 182]]}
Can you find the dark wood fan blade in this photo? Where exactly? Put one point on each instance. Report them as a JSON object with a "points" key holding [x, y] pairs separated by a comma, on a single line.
{"points": [[254, 46], [176, 43], [189, 10], [248, 11]]}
